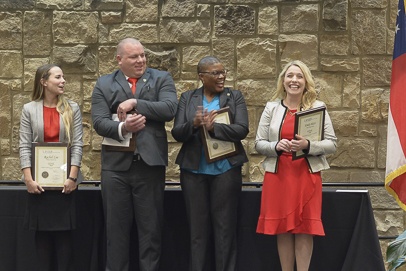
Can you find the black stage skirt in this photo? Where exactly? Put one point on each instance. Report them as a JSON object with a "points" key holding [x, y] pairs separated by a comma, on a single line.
{"points": [[51, 211]]}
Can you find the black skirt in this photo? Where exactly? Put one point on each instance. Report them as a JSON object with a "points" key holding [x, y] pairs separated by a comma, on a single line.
{"points": [[51, 211]]}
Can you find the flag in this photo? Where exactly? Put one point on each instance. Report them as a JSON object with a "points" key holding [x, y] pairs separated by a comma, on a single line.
{"points": [[395, 176]]}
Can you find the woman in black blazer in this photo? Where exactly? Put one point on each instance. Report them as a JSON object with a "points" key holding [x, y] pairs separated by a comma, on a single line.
{"points": [[211, 189]]}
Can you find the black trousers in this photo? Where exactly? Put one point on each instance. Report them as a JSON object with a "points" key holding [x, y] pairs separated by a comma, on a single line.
{"points": [[211, 206], [54, 250], [137, 193]]}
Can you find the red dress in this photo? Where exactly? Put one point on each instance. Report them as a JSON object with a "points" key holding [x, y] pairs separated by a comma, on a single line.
{"points": [[291, 197]]}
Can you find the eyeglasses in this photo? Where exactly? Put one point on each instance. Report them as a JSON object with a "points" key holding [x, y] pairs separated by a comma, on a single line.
{"points": [[216, 73]]}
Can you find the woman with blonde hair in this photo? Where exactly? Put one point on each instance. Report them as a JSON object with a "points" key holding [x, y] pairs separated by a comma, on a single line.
{"points": [[50, 117], [292, 189]]}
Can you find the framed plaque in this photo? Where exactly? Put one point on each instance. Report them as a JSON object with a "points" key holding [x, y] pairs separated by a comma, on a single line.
{"points": [[310, 125], [216, 149], [50, 164]]}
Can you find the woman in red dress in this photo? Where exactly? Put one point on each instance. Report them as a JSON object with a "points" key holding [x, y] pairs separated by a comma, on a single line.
{"points": [[292, 189]]}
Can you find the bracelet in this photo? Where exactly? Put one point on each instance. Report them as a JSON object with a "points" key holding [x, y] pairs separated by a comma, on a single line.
{"points": [[72, 179]]}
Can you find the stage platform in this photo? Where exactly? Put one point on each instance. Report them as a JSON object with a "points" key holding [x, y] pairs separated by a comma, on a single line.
{"points": [[351, 241]]}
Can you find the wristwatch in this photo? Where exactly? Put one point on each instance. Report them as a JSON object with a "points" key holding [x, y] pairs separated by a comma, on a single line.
{"points": [[73, 179]]}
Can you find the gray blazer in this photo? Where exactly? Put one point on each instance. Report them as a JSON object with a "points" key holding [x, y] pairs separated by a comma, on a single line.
{"points": [[183, 131], [156, 100], [268, 135], [32, 130]]}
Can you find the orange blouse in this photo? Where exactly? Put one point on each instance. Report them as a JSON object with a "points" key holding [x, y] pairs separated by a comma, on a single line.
{"points": [[51, 124]]}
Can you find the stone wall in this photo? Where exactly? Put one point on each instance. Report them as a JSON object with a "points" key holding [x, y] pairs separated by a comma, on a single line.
{"points": [[347, 44]]}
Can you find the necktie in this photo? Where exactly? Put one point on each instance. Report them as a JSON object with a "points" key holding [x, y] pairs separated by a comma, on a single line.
{"points": [[133, 81]]}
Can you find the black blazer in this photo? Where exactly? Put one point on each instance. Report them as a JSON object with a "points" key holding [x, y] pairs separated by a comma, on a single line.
{"points": [[156, 100], [183, 131]]}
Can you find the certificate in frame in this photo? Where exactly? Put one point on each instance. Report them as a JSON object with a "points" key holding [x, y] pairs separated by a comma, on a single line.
{"points": [[216, 149], [50, 164], [310, 125], [127, 145]]}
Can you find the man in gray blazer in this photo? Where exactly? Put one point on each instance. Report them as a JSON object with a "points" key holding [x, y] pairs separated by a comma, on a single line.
{"points": [[133, 182]]}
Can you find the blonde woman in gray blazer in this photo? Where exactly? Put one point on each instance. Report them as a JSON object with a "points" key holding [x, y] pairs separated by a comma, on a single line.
{"points": [[51, 214], [292, 189]]}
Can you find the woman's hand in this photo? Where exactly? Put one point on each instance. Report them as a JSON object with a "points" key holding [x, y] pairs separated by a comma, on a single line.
{"points": [[33, 187], [69, 186], [199, 117], [284, 145], [300, 143]]}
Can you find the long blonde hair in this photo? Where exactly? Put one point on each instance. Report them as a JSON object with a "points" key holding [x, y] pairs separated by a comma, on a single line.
{"points": [[309, 95], [63, 107]]}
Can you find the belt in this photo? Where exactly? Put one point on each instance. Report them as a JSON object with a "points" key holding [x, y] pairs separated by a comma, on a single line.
{"points": [[137, 157]]}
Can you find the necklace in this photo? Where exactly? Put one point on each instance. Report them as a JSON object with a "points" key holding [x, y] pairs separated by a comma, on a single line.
{"points": [[292, 112]]}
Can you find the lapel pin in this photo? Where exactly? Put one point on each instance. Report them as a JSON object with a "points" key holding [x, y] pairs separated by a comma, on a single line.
{"points": [[144, 80]]}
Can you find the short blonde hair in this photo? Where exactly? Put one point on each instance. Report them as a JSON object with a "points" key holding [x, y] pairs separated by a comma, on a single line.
{"points": [[309, 94]]}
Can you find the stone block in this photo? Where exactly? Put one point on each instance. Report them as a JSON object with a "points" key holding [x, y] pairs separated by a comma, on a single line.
{"points": [[374, 107], [369, 130], [351, 91], [185, 85], [299, 46], [192, 56], [377, 71], [370, 3], [59, 4], [37, 27], [333, 175], [184, 31], [389, 222], [306, 18], [255, 169], [165, 58], [11, 34], [368, 32], [224, 49], [5, 147], [145, 32], [11, 64], [203, 10], [329, 88], [11, 168], [354, 153], [335, 45], [340, 65], [345, 123], [17, 4], [259, 53], [178, 8], [368, 176], [268, 21], [335, 15], [256, 92], [30, 67], [107, 59], [141, 11], [75, 27], [74, 59], [234, 20], [382, 141], [111, 17], [105, 4]]}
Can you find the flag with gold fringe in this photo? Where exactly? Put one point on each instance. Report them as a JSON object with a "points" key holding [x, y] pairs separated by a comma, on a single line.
{"points": [[395, 176]]}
